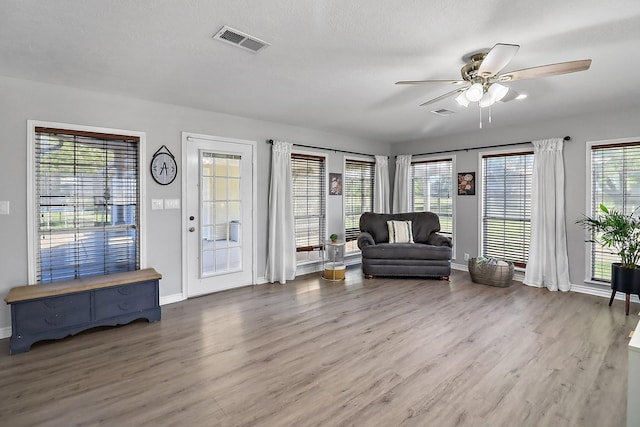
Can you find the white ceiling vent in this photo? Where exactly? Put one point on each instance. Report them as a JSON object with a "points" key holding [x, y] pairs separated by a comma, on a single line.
{"points": [[240, 39], [443, 112]]}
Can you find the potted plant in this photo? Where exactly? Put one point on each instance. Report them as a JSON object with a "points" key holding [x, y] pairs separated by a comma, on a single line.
{"points": [[333, 238], [621, 233]]}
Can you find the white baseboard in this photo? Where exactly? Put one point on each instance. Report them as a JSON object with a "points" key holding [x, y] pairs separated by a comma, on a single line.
{"points": [[603, 291], [460, 267], [5, 332], [599, 291], [170, 299]]}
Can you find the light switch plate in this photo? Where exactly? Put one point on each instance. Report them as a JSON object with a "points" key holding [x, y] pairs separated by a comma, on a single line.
{"points": [[4, 207], [172, 203], [157, 204]]}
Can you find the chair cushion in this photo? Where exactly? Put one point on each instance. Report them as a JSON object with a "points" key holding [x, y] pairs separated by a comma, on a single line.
{"points": [[403, 251]]}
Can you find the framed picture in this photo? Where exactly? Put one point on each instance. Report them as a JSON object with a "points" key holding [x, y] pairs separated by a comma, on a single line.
{"points": [[466, 184], [335, 184]]}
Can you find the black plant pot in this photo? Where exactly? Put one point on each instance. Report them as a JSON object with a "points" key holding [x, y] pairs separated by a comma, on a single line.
{"points": [[625, 280]]}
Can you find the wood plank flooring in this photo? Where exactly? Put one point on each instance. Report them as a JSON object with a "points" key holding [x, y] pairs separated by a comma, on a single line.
{"points": [[381, 352]]}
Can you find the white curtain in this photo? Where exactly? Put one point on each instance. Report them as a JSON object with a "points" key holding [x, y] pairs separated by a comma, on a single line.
{"points": [[401, 184], [281, 255], [381, 185], [548, 263]]}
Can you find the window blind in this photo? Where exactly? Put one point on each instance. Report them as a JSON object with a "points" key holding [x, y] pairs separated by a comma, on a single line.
{"points": [[615, 183], [506, 206], [308, 173], [432, 190], [357, 196], [87, 202]]}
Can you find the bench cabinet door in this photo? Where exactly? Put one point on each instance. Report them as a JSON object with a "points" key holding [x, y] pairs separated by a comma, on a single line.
{"points": [[53, 313], [112, 302]]}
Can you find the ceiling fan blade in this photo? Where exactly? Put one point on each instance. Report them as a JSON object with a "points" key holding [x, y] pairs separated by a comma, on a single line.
{"points": [[446, 95], [510, 96], [546, 70], [428, 82], [497, 58]]}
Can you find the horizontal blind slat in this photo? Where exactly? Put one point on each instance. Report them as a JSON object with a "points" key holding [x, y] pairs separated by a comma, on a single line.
{"points": [[615, 175], [357, 194], [432, 189], [87, 196], [506, 205], [308, 176]]}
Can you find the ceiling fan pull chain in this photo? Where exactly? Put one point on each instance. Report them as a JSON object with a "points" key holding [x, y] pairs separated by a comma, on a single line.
{"points": [[489, 114], [480, 110]]}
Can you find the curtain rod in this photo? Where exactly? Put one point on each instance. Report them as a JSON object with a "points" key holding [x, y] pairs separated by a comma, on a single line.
{"points": [[335, 150], [566, 138]]}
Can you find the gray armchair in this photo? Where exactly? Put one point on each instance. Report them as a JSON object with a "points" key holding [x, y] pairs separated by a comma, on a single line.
{"points": [[429, 255]]}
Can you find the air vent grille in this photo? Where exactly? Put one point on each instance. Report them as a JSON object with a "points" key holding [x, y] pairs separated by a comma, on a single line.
{"points": [[240, 39], [443, 112]]}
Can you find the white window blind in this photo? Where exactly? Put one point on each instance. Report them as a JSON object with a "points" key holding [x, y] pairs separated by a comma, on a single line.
{"points": [[615, 183], [506, 206], [432, 190], [357, 197], [87, 202], [308, 173]]}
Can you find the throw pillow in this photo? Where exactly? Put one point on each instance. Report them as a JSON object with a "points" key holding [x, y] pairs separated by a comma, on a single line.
{"points": [[400, 232]]}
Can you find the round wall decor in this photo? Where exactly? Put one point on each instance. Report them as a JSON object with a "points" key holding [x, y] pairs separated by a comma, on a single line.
{"points": [[164, 168]]}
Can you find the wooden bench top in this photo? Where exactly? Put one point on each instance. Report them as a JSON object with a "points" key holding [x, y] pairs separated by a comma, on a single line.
{"points": [[23, 293]]}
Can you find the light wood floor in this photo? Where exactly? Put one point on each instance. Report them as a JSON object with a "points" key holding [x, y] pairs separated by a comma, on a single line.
{"points": [[382, 352]]}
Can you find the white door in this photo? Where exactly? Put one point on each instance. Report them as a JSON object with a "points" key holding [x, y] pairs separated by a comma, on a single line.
{"points": [[218, 214]]}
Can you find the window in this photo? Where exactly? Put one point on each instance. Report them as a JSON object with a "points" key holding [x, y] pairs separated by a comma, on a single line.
{"points": [[357, 197], [615, 183], [87, 201], [308, 173], [506, 206], [432, 190]]}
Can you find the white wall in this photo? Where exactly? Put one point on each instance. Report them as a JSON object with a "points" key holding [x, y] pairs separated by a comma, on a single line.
{"points": [[23, 100], [608, 125]]}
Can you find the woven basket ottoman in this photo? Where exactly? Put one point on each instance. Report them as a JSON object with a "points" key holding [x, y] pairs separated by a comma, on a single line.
{"points": [[492, 272]]}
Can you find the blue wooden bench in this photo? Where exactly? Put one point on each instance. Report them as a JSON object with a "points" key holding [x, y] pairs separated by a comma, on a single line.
{"points": [[56, 310]]}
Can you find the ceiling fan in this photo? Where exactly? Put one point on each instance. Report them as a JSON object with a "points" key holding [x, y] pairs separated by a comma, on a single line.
{"points": [[481, 78]]}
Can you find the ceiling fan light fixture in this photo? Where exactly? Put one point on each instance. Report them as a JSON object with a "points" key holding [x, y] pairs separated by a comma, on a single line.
{"points": [[486, 100], [498, 91], [475, 92], [462, 100]]}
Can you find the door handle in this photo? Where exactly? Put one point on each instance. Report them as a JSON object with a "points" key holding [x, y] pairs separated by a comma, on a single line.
{"points": [[192, 229]]}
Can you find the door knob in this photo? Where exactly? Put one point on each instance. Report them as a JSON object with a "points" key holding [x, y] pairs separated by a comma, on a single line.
{"points": [[192, 229]]}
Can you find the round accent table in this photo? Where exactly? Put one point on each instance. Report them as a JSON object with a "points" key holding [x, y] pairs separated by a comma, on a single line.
{"points": [[333, 267]]}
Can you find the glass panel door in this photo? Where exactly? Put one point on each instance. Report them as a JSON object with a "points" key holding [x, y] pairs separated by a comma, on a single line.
{"points": [[221, 213]]}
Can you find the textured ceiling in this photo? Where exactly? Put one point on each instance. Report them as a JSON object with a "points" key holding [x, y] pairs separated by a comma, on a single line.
{"points": [[331, 65]]}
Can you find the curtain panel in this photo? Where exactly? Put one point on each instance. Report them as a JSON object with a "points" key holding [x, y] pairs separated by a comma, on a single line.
{"points": [[401, 185], [281, 253], [548, 263], [381, 185]]}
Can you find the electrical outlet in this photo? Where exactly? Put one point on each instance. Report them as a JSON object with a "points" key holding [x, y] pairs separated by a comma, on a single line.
{"points": [[466, 257], [4, 207]]}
